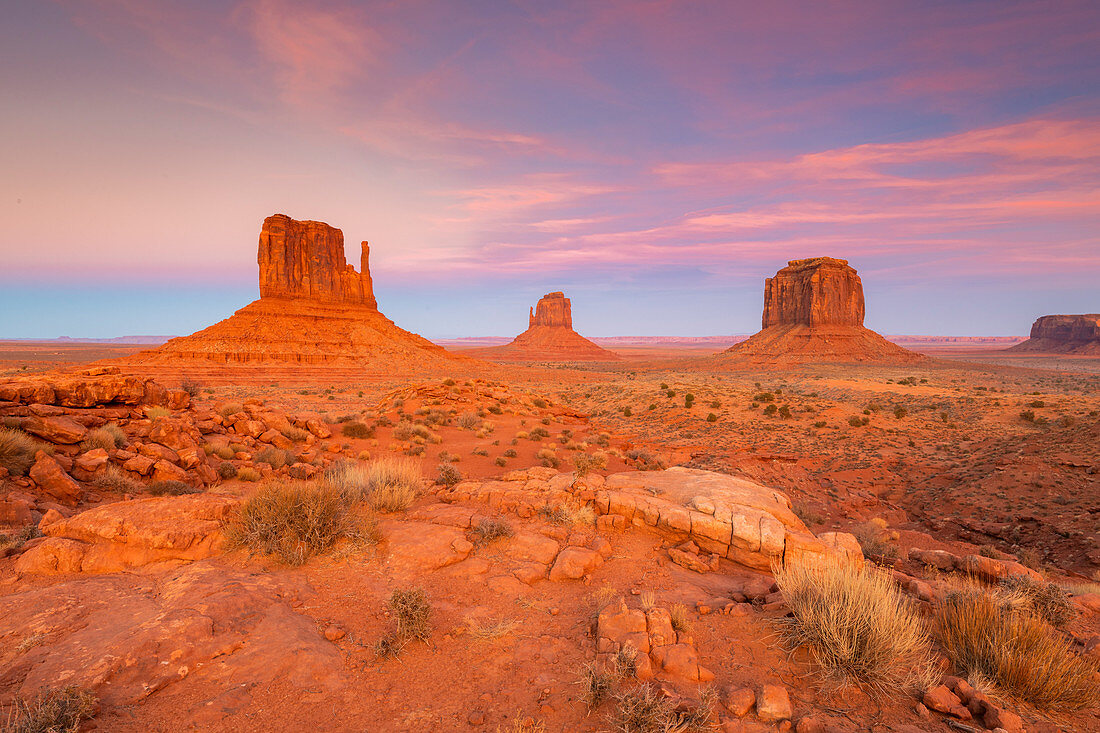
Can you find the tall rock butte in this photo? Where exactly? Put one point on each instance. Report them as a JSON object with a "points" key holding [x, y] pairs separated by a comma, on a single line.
{"points": [[549, 337], [1078, 334], [813, 311], [314, 308]]}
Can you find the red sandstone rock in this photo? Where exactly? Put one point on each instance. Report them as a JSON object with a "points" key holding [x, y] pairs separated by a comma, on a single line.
{"points": [[55, 429], [813, 311], [773, 703], [53, 481], [305, 260], [549, 337], [1064, 334]]}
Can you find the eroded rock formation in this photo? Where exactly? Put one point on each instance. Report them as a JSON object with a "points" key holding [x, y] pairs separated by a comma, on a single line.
{"points": [[305, 260], [314, 308], [813, 311], [550, 337], [1078, 334]]}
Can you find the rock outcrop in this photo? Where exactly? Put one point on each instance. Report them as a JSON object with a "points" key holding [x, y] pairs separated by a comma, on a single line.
{"points": [[813, 311], [549, 337], [1064, 335], [314, 308], [305, 260]]}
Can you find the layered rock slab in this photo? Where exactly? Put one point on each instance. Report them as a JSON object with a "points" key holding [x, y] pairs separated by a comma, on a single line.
{"points": [[813, 311], [549, 337], [1062, 334], [314, 308]]}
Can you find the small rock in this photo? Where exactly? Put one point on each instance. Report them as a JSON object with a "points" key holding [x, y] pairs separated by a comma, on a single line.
{"points": [[773, 704], [740, 700], [335, 633]]}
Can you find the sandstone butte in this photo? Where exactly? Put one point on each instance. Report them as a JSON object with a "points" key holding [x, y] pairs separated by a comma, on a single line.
{"points": [[314, 308], [813, 311], [549, 337], [1078, 335]]}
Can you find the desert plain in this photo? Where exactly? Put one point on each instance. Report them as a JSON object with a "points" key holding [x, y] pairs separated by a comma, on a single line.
{"points": [[307, 518]]}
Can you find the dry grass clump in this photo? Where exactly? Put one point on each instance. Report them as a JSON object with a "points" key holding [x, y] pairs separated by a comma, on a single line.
{"points": [[114, 479], [156, 411], [224, 452], [490, 529], [230, 408], [681, 618], [877, 540], [17, 538], [17, 450], [274, 457], [171, 487], [52, 711], [987, 636], [227, 470], [468, 421], [1047, 600], [392, 483], [294, 520], [856, 623], [108, 437], [247, 473], [295, 434]]}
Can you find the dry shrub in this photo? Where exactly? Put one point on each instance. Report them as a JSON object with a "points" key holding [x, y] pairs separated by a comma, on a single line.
{"points": [[225, 452], [114, 479], [412, 613], [984, 635], [490, 529], [230, 408], [17, 450], [1047, 600], [171, 487], [596, 686], [357, 430], [876, 540], [644, 709], [52, 711], [108, 438], [856, 623], [155, 411], [227, 470], [293, 520], [468, 421], [681, 618], [583, 463], [448, 475]]}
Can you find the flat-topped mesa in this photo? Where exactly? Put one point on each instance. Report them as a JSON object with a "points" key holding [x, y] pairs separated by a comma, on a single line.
{"points": [[553, 309], [1072, 334], [820, 291], [305, 260], [813, 312]]}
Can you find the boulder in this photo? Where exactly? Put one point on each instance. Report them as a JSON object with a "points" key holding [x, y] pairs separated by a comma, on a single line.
{"points": [[58, 429], [129, 534], [53, 481], [574, 563]]}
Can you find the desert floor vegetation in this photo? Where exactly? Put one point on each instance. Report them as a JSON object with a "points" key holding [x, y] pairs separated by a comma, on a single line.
{"points": [[856, 623], [294, 520], [61, 710], [990, 636], [17, 450]]}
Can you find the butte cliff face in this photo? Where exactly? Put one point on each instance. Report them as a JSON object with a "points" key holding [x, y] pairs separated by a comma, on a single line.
{"points": [[813, 311], [1078, 334], [549, 337], [305, 260], [314, 308]]}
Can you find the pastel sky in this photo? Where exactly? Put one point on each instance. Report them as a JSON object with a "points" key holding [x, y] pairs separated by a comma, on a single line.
{"points": [[654, 160]]}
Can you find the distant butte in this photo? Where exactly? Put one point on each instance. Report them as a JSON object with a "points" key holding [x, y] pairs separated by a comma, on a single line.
{"points": [[314, 308], [549, 337], [813, 311], [1079, 335]]}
